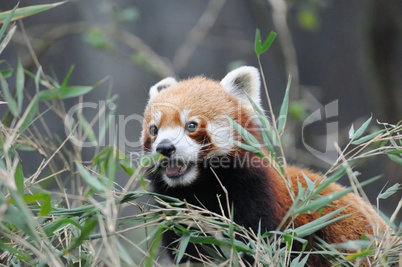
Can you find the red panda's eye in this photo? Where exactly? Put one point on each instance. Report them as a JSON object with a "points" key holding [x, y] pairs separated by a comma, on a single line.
{"points": [[191, 126], [153, 130]]}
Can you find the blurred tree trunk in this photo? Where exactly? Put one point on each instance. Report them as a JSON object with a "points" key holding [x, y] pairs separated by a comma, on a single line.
{"points": [[382, 48], [382, 35]]}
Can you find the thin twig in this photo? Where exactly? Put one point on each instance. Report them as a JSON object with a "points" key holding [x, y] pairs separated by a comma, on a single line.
{"points": [[197, 34]]}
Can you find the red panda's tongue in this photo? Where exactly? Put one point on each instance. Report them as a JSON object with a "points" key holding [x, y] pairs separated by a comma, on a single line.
{"points": [[176, 169]]}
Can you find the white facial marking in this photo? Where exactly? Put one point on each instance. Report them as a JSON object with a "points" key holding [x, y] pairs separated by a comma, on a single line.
{"points": [[157, 115], [184, 115], [186, 150], [222, 135]]}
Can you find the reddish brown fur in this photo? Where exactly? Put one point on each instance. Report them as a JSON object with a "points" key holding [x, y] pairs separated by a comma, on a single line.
{"points": [[363, 220]]}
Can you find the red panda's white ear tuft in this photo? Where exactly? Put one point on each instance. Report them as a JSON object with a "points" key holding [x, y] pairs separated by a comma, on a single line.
{"points": [[165, 83], [243, 82]]}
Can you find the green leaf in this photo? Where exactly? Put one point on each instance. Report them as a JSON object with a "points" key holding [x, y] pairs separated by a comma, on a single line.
{"points": [[67, 78], [183, 246], [6, 21], [246, 135], [3, 29], [12, 105], [266, 125], [329, 180], [395, 158], [321, 222], [29, 114], [309, 182], [150, 159], [124, 255], [18, 253], [19, 85], [367, 137], [257, 42], [362, 128], [89, 225], [19, 179], [64, 92], [260, 48], [13, 216], [323, 201], [91, 180], [351, 132], [8, 37], [88, 131], [153, 250], [46, 206], [23, 12], [284, 108], [7, 73], [296, 262], [37, 79], [246, 147], [390, 191], [394, 151], [53, 226]]}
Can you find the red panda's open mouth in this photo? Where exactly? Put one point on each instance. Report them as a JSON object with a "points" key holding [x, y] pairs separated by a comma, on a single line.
{"points": [[175, 168]]}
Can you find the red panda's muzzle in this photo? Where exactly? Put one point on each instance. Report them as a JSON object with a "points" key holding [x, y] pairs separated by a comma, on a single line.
{"points": [[176, 169], [166, 148], [172, 166]]}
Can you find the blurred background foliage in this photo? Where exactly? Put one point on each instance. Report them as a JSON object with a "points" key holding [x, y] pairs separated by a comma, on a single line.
{"points": [[342, 50]]}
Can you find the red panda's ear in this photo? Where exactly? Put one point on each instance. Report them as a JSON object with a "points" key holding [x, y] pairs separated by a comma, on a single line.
{"points": [[243, 82], [162, 85]]}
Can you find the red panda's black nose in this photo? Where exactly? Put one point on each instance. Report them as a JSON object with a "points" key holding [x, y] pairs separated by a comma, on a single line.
{"points": [[166, 148]]}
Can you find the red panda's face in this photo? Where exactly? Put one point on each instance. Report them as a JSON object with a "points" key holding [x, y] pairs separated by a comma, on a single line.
{"points": [[186, 121]]}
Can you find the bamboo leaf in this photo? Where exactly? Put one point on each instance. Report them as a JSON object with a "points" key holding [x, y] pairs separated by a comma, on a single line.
{"points": [[88, 131], [395, 158], [29, 115], [257, 42], [390, 191], [284, 108], [183, 246], [296, 262], [317, 224], [266, 125], [23, 12], [153, 250], [64, 92], [8, 37], [86, 230], [19, 85], [246, 135], [260, 47], [362, 128], [367, 137], [12, 105], [124, 255], [19, 179], [51, 227], [18, 253], [351, 132], [323, 201], [46, 206], [6, 21], [91, 180], [67, 78]]}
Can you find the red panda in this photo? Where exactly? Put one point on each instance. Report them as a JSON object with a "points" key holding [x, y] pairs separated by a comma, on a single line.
{"points": [[186, 122]]}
